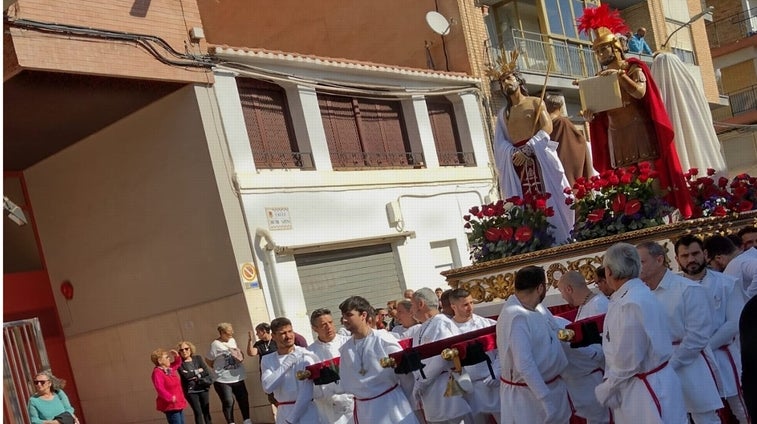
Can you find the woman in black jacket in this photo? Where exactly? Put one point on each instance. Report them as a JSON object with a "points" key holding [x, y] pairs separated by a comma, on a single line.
{"points": [[196, 381]]}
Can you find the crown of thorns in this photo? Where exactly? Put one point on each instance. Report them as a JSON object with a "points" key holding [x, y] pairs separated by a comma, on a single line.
{"points": [[502, 66]]}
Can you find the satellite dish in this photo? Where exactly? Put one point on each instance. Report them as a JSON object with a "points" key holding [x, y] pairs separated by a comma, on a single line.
{"points": [[437, 22]]}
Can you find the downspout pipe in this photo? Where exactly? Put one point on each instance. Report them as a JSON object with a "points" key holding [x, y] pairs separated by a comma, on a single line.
{"points": [[266, 254]]}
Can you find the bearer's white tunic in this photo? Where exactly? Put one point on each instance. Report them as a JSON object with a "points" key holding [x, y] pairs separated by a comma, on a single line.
{"points": [[725, 326], [530, 353], [744, 268], [485, 395], [689, 312], [390, 405], [436, 407], [282, 382], [586, 368], [636, 340], [334, 406]]}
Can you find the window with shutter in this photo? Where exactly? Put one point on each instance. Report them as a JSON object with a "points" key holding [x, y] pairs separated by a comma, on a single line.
{"points": [[269, 127], [365, 133], [446, 136]]}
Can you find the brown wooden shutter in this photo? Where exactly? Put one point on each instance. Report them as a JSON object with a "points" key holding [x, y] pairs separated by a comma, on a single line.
{"points": [[269, 127], [443, 125], [339, 123], [383, 132]]}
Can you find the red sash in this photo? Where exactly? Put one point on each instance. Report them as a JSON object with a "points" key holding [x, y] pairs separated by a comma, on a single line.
{"points": [[643, 377], [357, 399]]}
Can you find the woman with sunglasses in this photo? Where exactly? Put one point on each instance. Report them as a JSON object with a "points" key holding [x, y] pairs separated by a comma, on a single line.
{"points": [[167, 383], [195, 382], [50, 405]]}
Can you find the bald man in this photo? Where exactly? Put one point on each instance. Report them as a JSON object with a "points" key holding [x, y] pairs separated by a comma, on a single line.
{"points": [[585, 364]]}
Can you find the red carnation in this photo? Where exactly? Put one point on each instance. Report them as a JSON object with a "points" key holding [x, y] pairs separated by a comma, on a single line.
{"points": [[523, 234], [541, 204], [719, 211], [626, 178]]}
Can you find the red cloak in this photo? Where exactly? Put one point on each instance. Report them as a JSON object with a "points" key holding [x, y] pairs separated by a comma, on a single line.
{"points": [[668, 165]]}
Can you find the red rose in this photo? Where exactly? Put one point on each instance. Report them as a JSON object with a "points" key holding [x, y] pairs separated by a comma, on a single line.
{"points": [[694, 171], [466, 217], [579, 181], [488, 211], [474, 210], [645, 166], [568, 201], [619, 202], [723, 182], [506, 233], [596, 215], [515, 200], [633, 206], [719, 211], [643, 177], [492, 234], [613, 180], [467, 225], [541, 204], [626, 178], [740, 191], [523, 234], [744, 206], [549, 212], [710, 172]]}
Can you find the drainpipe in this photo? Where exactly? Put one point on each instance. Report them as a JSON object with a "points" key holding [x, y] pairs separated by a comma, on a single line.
{"points": [[266, 255]]}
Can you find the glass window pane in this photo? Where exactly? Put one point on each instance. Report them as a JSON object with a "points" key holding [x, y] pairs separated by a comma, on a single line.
{"points": [[553, 16]]}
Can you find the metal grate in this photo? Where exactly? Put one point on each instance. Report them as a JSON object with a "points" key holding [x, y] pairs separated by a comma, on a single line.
{"points": [[24, 356]]}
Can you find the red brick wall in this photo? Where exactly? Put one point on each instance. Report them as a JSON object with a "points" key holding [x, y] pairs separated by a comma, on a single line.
{"points": [[170, 20]]}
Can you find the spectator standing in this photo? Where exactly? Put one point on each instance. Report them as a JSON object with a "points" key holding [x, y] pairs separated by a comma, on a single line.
{"points": [[226, 359], [637, 43], [195, 382], [49, 404], [167, 383]]}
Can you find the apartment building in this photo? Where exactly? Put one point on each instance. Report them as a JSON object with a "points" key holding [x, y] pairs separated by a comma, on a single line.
{"points": [[732, 34]]}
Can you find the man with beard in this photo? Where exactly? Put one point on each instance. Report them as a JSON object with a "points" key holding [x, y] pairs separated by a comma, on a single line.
{"points": [[526, 158], [378, 398], [295, 397], [484, 398], [530, 356], [640, 130], [639, 385], [334, 406], [689, 312], [728, 304]]}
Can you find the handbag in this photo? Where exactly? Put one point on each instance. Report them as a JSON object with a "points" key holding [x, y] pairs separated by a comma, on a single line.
{"points": [[204, 379], [65, 418]]}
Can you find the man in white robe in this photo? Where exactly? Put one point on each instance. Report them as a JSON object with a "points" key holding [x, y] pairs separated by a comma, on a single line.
{"points": [[530, 356], [517, 120], [378, 398], [431, 382], [484, 398], [586, 364], [294, 397], [689, 312], [334, 406], [639, 384], [722, 255], [728, 304]]}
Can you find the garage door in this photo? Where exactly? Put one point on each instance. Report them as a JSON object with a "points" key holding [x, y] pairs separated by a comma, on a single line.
{"points": [[330, 277]]}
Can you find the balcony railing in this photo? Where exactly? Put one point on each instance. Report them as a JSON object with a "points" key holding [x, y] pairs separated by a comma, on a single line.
{"points": [[732, 28], [457, 159], [744, 100], [284, 160], [361, 160]]}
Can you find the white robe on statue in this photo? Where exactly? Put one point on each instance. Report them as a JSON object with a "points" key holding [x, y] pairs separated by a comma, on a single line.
{"points": [[334, 406], [551, 170], [378, 398], [636, 340], [437, 407], [531, 360], [484, 399], [279, 377], [695, 140], [586, 368]]}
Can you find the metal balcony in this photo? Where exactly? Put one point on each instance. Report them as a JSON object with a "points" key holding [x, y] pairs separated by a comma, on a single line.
{"points": [[732, 28]]}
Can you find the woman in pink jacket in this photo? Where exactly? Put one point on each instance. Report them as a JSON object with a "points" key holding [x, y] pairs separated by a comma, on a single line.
{"points": [[167, 383]]}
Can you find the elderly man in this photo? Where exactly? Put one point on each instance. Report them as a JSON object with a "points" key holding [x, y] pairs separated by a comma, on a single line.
{"points": [[484, 399], [639, 385], [689, 312], [728, 304], [431, 384], [722, 255], [334, 406], [586, 363], [378, 399], [295, 397], [530, 356]]}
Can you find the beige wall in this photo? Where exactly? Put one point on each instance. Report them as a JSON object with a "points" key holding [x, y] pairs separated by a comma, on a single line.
{"points": [[389, 31], [170, 20]]}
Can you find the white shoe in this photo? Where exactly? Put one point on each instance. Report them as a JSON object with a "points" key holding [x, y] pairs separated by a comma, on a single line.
{"points": [[247, 421]]}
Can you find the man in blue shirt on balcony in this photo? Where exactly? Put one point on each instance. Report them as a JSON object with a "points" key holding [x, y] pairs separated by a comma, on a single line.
{"points": [[637, 43]]}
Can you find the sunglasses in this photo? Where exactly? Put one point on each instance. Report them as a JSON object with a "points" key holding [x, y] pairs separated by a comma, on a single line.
{"points": [[184, 348], [40, 382]]}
